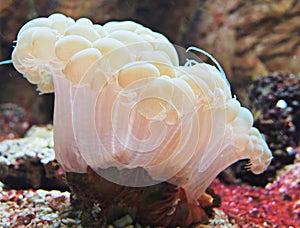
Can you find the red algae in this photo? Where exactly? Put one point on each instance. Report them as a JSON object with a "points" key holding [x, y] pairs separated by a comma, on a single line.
{"points": [[276, 205]]}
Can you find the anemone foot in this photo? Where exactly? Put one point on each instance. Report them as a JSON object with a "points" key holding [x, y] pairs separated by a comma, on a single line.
{"points": [[161, 204]]}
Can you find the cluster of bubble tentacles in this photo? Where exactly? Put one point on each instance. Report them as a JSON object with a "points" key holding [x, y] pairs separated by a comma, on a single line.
{"points": [[124, 103]]}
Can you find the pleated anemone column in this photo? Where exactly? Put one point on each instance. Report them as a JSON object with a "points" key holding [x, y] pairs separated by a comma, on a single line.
{"points": [[127, 110]]}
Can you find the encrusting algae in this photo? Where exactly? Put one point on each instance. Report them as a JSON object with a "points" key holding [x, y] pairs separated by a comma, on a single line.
{"points": [[129, 118]]}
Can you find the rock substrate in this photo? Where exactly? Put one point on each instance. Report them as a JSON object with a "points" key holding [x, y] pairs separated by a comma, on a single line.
{"points": [[29, 162]]}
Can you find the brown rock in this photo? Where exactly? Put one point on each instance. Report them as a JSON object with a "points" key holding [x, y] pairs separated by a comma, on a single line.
{"points": [[250, 38]]}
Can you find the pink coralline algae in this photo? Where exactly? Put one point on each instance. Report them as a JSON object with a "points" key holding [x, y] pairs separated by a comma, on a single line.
{"points": [[276, 205]]}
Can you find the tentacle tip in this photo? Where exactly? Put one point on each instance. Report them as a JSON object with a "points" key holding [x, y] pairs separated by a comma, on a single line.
{"points": [[5, 62], [213, 59]]}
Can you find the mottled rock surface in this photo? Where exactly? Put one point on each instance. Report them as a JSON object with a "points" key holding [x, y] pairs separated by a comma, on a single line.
{"points": [[250, 38]]}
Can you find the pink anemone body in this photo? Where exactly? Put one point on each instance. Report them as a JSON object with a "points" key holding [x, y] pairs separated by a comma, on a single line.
{"points": [[122, 100]]}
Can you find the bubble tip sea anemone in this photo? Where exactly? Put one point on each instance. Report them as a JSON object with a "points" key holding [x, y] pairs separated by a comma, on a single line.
{"points": [[110, 80]]}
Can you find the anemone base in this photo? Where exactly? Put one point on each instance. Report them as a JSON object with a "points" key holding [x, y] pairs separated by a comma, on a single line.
{"points": [[103, 202]]}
